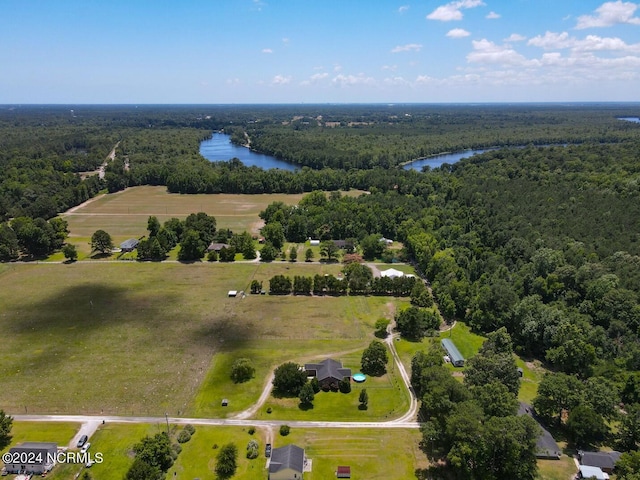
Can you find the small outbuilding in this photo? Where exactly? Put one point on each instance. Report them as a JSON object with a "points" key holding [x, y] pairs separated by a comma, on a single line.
{"points": [[225, 402], [32, 458], [591, 473], [343, 472], [457, 360], [232, 293], [314, 243], [129, 245]]}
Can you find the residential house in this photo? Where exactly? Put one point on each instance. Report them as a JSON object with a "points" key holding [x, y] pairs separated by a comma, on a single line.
{"points": [[31, 458], [606, 461], [327, 372], [456, 358], [287, 463]]}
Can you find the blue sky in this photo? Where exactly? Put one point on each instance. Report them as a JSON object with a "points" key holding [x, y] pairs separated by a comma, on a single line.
{"points": [[317, 51]]}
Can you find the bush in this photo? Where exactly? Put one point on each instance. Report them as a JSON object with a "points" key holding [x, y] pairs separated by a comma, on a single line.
{"points": [[252, 430], [252, 449], [183, 436], [269, 410], [284, 430], [190, 428], [344, 385], [212, 256], [315, 384]]}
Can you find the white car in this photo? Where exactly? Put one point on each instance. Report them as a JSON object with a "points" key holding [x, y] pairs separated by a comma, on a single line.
{"points": [[85, 447]]}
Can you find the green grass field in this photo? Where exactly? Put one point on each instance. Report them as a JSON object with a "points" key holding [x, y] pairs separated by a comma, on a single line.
{"points": [[371, 454], [149, 332]]}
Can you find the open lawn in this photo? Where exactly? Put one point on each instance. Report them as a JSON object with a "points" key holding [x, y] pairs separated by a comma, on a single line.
{"points": [[371, 454], [563, 469], [128, 338], [388, 398]]}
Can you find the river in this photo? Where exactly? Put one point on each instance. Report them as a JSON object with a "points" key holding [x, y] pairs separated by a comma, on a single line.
{"points": [[219, 148]]}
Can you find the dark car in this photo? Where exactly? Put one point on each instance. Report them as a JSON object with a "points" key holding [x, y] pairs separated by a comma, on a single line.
{"points": [[82, 441], [267, 450]]}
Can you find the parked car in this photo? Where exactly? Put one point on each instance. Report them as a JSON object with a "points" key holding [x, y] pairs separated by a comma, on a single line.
{"points": [[82, 441], [85, 447], [267, 450]]}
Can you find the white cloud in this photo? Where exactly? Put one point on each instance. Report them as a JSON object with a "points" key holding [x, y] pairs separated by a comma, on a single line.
{"points": [[315, 78], [233, 81], [352, 80], [458, 33], [267, 50], [337, 67], [396, 81], [403, 8], [493, 16], [389, 67], [410, 47], [591, 43], [281, 80], [487, 52], [285, 40], [552, 40], [610, 13], [452, 11], [515, 37]]}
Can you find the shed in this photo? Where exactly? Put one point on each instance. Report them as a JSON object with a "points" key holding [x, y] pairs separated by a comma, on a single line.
{"points": [[592, 472], [343, 472], [129, 245], [454, 355], [314, 243], [32, 458], [225, 402], [232, 293]]}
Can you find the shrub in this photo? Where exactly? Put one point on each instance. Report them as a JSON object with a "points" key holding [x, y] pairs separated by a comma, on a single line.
{"points": [[212, 256], [269, 410], [344, 385], [252, 449], [252, 430], [284, 430], [184, 436], [190, 428]]}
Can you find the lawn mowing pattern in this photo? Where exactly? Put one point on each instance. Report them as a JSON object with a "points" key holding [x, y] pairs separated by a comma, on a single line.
{"points": [[371, 454]]}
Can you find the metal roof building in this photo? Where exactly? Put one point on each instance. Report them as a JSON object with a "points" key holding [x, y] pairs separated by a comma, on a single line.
{"points": [[456, 357]]}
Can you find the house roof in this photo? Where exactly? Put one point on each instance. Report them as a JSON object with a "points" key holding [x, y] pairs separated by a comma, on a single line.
{"points": [[217, 246], [290, 456], [595, 472], [546, 446], [37, 445], [392, 273], [604, 460], [344, 470], [452, 350], [129, 244], [328, 368]]}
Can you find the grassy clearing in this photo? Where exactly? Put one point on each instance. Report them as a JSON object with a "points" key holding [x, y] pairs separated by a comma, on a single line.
{"points": [[562, 469], [149, 331], [388, 399], [371, 454], [198, 457], [59, 433], [124, 214]]}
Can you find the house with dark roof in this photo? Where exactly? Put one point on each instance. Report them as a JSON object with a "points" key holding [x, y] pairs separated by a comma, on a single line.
{"points": [[327, 372], [216, 247], [546, 446], [286, 463], [129, 245], [605, 461], [31, 458]]}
